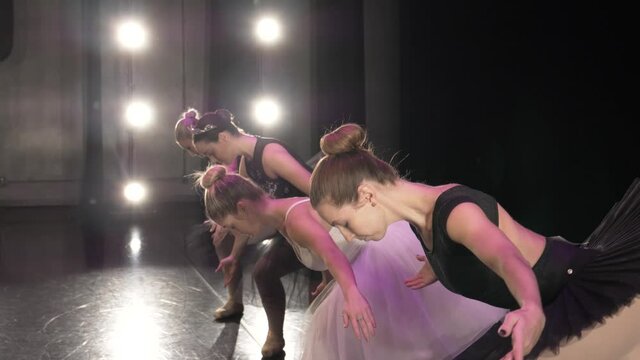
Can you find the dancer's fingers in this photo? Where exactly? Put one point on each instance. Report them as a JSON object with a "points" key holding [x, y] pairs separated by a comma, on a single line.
{"points": [[366, 326], [318, 289], [412, 282], [509, 356], [415, 283], [372, 319], [507, 325], [517, 342], [356, 327]]}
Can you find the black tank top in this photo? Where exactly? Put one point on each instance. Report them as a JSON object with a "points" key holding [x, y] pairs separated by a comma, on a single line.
{"points": [[460, 271], [456, 267], [277, 188]]}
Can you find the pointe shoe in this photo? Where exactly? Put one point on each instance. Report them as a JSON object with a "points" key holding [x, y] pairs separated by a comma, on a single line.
{"points": [[228, 310], [273, 345]]}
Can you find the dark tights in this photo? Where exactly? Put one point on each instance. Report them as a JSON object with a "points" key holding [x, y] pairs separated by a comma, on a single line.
{"points": [[278, 261]]}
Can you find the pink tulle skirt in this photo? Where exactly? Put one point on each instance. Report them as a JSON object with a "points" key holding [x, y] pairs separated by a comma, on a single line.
{"points": [[430, 323]]}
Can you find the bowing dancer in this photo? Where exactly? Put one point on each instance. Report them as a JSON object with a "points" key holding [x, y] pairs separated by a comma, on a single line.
{"points": [[431, 323], [281, 173], [221, 239], [554, 289]]}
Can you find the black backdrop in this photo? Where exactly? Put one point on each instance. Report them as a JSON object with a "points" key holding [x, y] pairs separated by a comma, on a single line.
{"points": [[530, 101], [6, 28]]}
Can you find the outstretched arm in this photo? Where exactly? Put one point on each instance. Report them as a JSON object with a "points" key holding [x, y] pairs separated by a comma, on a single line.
{"points": [[304, 229], [229, 263], [239, 243], [468, 225]]}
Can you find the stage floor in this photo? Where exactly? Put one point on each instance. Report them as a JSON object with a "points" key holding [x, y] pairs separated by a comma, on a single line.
{"points": [[129, 286]]}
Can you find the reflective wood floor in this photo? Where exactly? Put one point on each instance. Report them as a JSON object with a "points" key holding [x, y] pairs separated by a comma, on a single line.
{"points": [[126, 286]]}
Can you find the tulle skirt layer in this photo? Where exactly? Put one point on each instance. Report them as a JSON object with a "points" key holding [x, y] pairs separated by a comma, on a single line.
{"points": [[430, 323], [601, 275]]}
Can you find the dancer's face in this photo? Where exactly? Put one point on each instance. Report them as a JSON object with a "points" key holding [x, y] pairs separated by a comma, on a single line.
{"points": [[240, 225], [360, 220], [192, 150], [220, 151], [187, 144]]}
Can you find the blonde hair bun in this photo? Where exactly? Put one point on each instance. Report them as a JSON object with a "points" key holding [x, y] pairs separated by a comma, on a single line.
{"points": [[189, 118], [346, 138], [191, 113], [213, 173]]}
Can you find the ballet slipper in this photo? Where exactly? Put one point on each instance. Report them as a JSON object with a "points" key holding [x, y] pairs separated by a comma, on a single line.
{"points": [[273, 345], [228, 310]]}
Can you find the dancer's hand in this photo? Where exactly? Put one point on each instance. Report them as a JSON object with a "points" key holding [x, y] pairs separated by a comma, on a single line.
{"points": [[217, 232], [358, 312], [229, 266], [524, 326], [319, 288], [326, 278], [423, 278], [210, 224]]}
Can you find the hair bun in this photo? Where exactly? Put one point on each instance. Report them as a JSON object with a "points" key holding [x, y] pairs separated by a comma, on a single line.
{"points": [[348, 137], [213, 173], [225, 114], [191, 113], [190, 117]]}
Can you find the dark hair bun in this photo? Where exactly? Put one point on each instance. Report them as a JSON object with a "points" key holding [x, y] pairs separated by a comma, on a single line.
{"points": [[225, 114], [346, 138], [221, 119]]}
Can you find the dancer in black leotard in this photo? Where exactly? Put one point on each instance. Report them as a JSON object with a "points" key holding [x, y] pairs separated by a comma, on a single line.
{"points": [[555, 289]]}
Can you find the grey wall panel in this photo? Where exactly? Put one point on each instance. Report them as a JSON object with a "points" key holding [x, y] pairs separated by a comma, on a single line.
{"points": [[158, 76], [286, 70], [166, 91], [42, 98], [40, 104]]}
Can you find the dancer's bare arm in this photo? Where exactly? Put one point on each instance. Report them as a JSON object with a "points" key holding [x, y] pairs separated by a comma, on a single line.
{"points": [[279, 162], [305, 230], [468, 225]]}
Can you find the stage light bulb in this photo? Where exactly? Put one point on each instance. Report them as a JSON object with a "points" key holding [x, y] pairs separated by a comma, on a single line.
{"points": [[135, 192], [132, 35], [139, 114], [266, 111], [268, 30]]}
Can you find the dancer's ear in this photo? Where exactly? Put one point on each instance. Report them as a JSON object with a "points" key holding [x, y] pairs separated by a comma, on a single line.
{"points": [[366, 194], [224, 137], [243, 208]]}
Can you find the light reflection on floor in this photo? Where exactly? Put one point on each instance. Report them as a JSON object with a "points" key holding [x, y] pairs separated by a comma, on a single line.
{"points": [[143, 292]]}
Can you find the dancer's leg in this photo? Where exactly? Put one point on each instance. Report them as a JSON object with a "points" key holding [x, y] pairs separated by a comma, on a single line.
{"points": [[278, 261]]}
